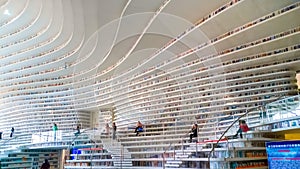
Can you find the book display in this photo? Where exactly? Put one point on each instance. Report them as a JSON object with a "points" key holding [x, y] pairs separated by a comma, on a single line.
{"points": [[88, 157], [85, 85], [30, 159]]}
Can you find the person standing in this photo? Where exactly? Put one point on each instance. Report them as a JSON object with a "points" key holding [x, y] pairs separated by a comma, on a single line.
{"points": [[54, 128], [1, 135], [78, 130], [114, 127], [107, 129], [12, 132]]}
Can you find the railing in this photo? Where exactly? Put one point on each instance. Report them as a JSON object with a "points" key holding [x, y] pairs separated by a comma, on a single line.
{"points": [[41, 139], [47, 136], [85, 132], [284, 108], [163, 154], [259, 108], [6, 144], [18, 140], [289, 103]]}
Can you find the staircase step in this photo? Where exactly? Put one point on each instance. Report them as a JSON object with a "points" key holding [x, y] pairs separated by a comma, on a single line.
{"points": [[174, 162], [182, 155], [172, 165], [120, 155]]}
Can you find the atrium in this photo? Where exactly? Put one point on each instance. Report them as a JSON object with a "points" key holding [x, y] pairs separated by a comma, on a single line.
{"points": [[166, 63]]}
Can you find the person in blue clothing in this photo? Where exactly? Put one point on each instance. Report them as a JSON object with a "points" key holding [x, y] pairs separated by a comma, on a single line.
{"points": [[138, 128]]}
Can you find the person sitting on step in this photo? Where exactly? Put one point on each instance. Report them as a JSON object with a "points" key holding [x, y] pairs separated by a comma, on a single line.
{"points": [[243, 127], [193, 132], [138, 128]]}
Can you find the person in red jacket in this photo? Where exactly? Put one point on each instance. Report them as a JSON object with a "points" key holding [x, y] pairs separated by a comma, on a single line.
{"points": [[243, 128]]}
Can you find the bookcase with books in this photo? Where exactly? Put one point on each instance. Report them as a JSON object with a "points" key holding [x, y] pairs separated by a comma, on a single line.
{"points": [[239, 153], [277, 120], [87, 157], [30, 158]]}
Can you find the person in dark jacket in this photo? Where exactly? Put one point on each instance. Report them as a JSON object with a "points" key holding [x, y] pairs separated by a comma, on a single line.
{"points": [[12, 131], [45, 165], [78, 130], [193, 132]]}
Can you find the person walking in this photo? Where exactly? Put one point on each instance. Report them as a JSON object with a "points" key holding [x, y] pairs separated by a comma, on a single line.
{"points": [[12, 132]]}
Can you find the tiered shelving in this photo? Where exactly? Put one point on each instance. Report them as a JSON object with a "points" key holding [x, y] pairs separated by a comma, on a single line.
{"points": [[54, 70], [89, 157], [31, 159], [246, 152]]}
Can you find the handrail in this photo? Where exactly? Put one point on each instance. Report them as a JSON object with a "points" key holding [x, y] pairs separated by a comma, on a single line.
{"points": [[229, 127], [76, 136], [282, 104], [7, 140], [169, 146], [93, 141], [163, 154]]}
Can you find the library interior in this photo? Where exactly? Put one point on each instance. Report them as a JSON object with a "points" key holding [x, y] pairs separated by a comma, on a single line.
{"points": [[137, 84]]}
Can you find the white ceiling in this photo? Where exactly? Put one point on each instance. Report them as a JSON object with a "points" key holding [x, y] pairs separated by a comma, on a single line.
{"points": [[75, 39]]}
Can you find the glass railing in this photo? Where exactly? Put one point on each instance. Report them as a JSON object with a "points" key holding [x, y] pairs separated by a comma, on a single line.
{"points": [[60, 139], [15, 140], [63, 139], [10, 145], [285, 108], [280, 114]]}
